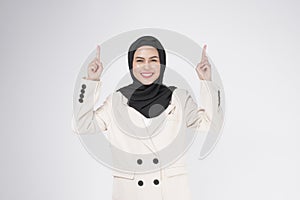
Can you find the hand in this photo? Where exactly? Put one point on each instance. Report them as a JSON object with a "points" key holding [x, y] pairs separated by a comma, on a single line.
{"points": [[95, 67], [204, 68]]}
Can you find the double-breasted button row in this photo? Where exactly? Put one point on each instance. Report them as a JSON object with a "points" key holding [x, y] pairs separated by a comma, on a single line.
{"points": [[140, 161], [83, 86], [141, 182]]}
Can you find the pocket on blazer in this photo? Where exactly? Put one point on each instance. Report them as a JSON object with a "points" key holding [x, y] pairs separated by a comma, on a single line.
{"points": [[175, 171], [129, 176]]}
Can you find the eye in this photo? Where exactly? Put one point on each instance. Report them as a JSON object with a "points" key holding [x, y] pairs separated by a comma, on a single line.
{"points": [[154, 60], [139, 60]]}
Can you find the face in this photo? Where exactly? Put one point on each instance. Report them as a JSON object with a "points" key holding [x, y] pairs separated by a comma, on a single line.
{"points": [[146, 64]]}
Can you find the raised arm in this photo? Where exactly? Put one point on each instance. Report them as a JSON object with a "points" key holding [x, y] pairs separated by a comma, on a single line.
{"points": [[209, 113], [85, 119]]}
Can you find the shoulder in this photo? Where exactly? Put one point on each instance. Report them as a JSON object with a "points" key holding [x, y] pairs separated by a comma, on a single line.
{"points": [[109, 98], [117, 98], [181, 96], [180, 92]]}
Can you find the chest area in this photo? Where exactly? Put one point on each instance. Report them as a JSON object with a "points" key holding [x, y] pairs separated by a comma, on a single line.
{"points": [[133, 132]]}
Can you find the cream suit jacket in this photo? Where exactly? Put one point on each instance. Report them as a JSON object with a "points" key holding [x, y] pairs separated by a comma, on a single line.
{"points": [[168, 183]]}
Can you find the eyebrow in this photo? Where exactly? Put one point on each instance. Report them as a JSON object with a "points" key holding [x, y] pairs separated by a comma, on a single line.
{"points": [[149, 58]]}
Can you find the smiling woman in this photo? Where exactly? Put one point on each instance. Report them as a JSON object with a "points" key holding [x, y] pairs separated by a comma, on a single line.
{"points": [[148, 170], [146, 64], [147, 61]]}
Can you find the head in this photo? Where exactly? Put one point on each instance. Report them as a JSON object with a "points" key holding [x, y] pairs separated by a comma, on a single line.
{"points": [[146, 64], [146, 59]]}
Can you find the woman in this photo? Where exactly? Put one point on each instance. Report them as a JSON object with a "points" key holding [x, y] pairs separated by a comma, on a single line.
{"points": [[147, 98]]}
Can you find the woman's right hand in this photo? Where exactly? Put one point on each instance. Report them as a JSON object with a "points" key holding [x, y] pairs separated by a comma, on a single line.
{"points": [[95, 67]]}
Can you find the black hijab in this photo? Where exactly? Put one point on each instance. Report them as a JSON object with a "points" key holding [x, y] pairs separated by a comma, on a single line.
{"points": [[150, 100]]}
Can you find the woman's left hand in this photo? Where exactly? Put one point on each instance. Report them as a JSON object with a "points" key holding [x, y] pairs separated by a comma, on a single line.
{"points": [[204, 68]]}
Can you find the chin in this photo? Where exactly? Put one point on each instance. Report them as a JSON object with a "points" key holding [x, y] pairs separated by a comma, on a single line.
{"points": [[147, 83]]}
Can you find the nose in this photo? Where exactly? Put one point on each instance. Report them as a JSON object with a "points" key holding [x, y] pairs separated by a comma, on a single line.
{"points": [[147, 65]]}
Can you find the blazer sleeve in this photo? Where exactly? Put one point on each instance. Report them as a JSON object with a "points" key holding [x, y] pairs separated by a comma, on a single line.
{"points": [[86, 120], [208, 114]]}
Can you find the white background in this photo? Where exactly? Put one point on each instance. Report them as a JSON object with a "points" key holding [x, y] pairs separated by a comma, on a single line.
{"points": [[254, 45]]}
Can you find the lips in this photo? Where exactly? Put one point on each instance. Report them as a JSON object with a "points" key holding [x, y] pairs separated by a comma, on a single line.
{"points": [[146, 74]]}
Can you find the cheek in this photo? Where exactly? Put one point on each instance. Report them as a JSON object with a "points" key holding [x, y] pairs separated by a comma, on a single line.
{"points": [[157, 70], [156, 76], [135, 71], [136, 67]]}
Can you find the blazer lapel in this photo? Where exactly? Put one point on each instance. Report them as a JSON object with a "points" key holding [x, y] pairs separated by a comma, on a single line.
{"points": [[142, 132]]}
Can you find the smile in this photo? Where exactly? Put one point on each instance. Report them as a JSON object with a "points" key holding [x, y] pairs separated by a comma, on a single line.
{"points": [[147, 74]]}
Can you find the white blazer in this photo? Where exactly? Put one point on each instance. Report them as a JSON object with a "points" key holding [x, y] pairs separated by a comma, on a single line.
{"points": [[160, 183]]}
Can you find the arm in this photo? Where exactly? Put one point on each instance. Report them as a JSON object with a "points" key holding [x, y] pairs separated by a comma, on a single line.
{"points": [[85, 119], [208, 113]]}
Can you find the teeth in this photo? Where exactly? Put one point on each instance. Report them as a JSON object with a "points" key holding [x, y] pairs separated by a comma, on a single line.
{"points": [[147, 74]]}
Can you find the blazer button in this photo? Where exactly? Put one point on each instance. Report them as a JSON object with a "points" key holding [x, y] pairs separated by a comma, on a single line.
{"points": [[155, 160], [140, 183], [81, 95], [83, 86], [156, 182], [139, 161], [82, 91], [80, 100]]}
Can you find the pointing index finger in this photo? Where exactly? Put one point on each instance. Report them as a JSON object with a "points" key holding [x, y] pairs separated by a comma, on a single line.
{"points": [[204, 51], [98, 52]]}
